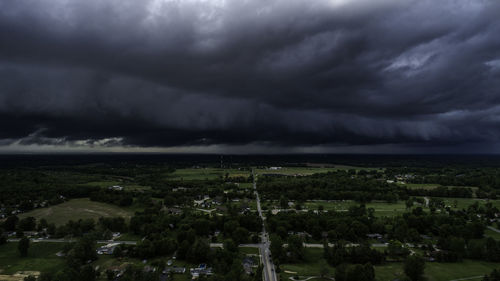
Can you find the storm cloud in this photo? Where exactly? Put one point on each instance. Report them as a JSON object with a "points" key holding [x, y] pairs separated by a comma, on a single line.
{"points": [[288, 73]]}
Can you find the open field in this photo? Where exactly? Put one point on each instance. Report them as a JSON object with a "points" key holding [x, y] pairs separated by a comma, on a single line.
{"points": [[314, 263], [126, 186], [381, 208], [436, 271], [41, 257], [249, 250], [77, 209], [206, 174], [295, 171], [463, 203], [426, 186], [391, 209]]}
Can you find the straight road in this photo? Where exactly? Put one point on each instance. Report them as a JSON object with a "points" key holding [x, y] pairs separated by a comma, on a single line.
{"points": [[268, 270]]}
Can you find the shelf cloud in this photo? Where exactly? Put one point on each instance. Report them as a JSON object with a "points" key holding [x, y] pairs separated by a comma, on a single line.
{"points": [[412, 74]]}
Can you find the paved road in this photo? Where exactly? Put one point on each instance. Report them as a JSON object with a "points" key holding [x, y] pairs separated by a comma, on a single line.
{"points": [[268, 270]]}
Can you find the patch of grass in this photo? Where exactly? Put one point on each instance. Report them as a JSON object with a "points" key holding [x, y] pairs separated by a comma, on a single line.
{"points": [[41, 257], [77, 209], [435, 271], [295, 171], [311, 266], [426, 186], [249, 250], [206, 174], [464, 203], [490, 233], [381, 208]]}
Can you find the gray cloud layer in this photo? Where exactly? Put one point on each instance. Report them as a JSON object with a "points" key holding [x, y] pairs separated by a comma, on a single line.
{"points": [[278, 72]]}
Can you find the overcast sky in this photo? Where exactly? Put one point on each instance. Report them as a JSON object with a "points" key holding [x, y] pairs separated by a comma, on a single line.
{"points": [[271, 76]]}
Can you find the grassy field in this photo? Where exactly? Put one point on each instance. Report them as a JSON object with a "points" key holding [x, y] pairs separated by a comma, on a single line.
{"points": [[295, 171], [381, 208], [426, 186], [309, 170], [126, 186], [439, 271], [312, 266], [77, 209], [41, 257], [206, 174], [249, 250], [492, 234], [463, 203]]}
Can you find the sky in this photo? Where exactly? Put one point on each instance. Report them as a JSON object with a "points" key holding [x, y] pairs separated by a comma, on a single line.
{"points": [[254, 76]]}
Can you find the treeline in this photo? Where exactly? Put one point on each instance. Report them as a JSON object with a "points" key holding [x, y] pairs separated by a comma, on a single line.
{"points": [[340, 185], [362, 187]]}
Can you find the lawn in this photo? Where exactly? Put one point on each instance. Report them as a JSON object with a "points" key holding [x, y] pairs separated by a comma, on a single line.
{"points": [[41, 257], [249, 250], [492, 234], [77, 209], [312, 266], [439, 271]]}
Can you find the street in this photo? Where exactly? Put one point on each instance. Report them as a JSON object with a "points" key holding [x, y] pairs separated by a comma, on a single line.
{"points": [[268, 270]]}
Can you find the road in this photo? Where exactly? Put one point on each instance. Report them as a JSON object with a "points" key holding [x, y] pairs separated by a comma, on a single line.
{"points": [[268, 270]]}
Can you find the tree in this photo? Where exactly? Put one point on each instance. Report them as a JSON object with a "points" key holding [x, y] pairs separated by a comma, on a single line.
{"points": [[295, 248], [23, 246], [87, 273], [409, 203], [284, 202], [414, 267]]}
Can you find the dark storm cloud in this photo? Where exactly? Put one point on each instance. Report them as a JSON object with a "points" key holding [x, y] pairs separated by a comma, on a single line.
{"points": [[281, 72]]}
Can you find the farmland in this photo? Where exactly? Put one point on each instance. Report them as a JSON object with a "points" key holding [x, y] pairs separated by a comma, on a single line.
{"points": [[76, 209]]}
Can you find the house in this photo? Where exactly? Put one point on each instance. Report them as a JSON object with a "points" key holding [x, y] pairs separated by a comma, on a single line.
{"points": [[202, 269], [374, 236], [248, 264], [174, 269], [107, 249], [116, 187], [175, 211]]}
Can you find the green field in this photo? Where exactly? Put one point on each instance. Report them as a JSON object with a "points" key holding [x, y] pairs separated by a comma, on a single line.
{"points": [[381, 208], [295, 171], [309, 170], [41, 257], [463, 203], [249, 250], [77, 209], [206, 174], [426, 186], [126, 186], [312, 266], [435, 271]]}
